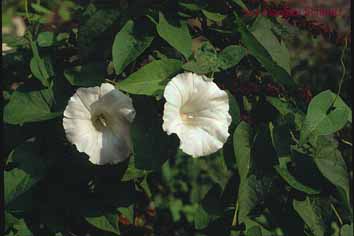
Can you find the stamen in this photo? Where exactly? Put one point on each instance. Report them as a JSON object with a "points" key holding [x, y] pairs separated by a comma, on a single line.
{"points": [[186, 116], [102, 120]]}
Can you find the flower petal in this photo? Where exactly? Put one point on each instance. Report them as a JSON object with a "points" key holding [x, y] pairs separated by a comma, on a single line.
{"points": [[204, 128], [82, 133], [76, 109], [107, 143], [88, 96], [114, 148]]}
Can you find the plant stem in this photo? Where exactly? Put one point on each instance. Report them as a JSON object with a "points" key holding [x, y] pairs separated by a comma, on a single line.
{"points": [[293, 137], [346, 142], [343, 71], [337, 214], [26, 9], [234, 220]]}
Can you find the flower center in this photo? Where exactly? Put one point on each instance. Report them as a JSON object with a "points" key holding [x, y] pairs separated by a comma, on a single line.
{"points": [[99, 122], [187, 116]]}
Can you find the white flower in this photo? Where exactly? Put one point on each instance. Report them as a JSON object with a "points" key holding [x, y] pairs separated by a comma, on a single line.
{"points": [[97, 120], [198, 112]]}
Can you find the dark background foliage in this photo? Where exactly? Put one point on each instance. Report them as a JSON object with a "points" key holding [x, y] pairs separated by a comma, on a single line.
{"points": [[285, 170]]}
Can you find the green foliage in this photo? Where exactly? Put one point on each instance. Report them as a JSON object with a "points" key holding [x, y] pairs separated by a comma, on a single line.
{"points": [[25, 107], [87, 75], [207, 60], [29, 169], [159, 71], [261, 54], [315, 213], [326, 114], [107, 223], [176, 33], [129, 43], [283, 170]]}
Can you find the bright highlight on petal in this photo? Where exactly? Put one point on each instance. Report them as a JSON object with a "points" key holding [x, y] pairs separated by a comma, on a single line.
{"points": [[97, 120], [198, 112]]}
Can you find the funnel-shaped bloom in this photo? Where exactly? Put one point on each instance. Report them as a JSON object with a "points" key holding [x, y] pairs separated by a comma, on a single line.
{"points": [[198, 112], [97, 121]]}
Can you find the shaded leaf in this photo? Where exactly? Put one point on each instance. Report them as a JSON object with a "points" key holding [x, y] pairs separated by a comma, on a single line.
{"points": [[282, 141], [129, 43], [331, 164], [240, 3], [152, 146], [201, 218], [231, 56], [315, 213], [88, 75], [254, 231], [93, 28], [262, 31], [243, 139], [260, 53], [346, 230], [42, 69], [46, 39], [25, 107], [29, 169]]}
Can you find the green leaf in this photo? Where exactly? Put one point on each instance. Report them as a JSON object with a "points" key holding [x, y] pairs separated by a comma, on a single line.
{"points": [[252, 191], [152, 146], [127, 212], [176, 33], [40, 9], [29, 107], [260, 53], [254, 231], [287, 110], [326, 114], [10, 220], [240, 3], [107, 222], [21, 229], [132, 172], [315, 213], [234, 110], [295, 183], [42, 69], [205, 60], [46, 39], [88, 75], [159, 73], [231, 56], [243, 139], [201, 218], [347, 230], [129, 43], [331, 164], [29, 169], [14, 41], [262, 31], [214, 16]]}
